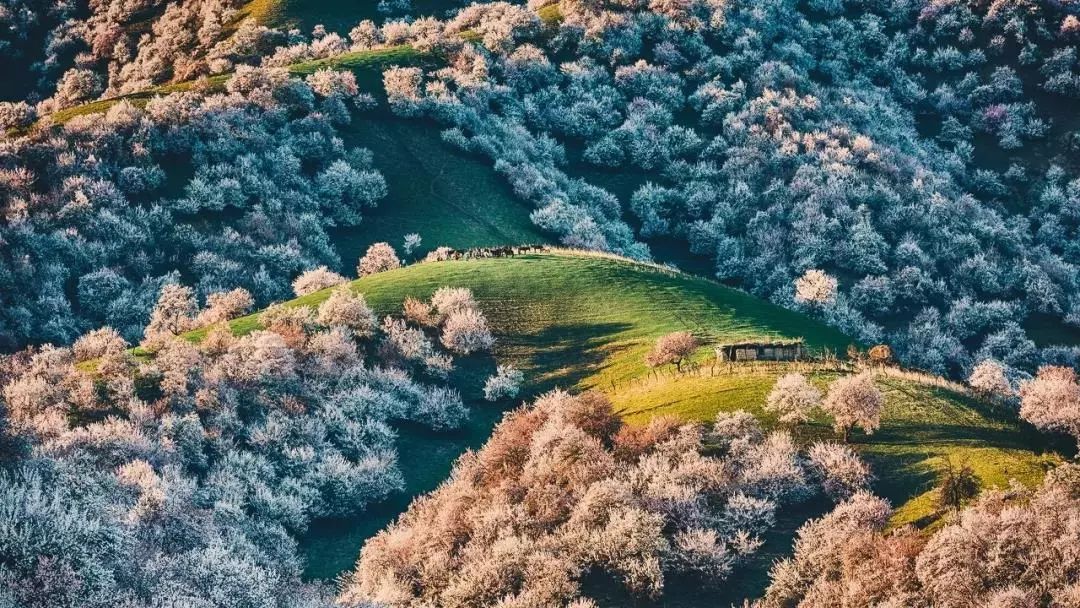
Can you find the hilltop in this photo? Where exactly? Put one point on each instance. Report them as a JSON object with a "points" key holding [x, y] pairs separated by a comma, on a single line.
{"points": [[582, 319], [367, 65]]}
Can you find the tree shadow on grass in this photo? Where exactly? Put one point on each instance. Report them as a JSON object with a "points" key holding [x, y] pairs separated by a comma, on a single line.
{"points": [[917, 434], [899, 477], [562, 356]]}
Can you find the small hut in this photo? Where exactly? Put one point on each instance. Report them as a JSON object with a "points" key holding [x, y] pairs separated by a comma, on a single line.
{"points": [[762, 350]]}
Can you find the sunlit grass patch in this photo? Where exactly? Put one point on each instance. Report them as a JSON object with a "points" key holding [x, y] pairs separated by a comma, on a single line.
{"points": [[925, 423]]}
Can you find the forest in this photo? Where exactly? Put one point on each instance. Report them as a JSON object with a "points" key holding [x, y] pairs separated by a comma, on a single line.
{"points": [[539, 303]]}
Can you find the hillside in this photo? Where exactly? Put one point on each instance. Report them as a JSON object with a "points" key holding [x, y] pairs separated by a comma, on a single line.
{"points": [[835, 179], [366, 65], [444, 195], [586, 321], [566, 320]]}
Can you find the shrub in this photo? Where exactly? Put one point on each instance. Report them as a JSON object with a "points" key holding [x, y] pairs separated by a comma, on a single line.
{"points": [[332, 351], [333, 83], [316, 280], [439, 254], [406, 344], [1051, 400], [77, 86], [380, 257], [592, 412], [854, 401], [224, 305], [16, 115], [290, 322], [505, 383], [792, 398], [839, 469], [174, 312], [815, 287], [411, 243], [447, 300], [988, 378], [632, 442], [674, 348], [346, 308], [419, 312], [465, 331], [99, 343]]}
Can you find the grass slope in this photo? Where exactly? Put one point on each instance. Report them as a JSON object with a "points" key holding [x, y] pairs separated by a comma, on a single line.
{"points": [[586, 321], [368, 67], [923, 426], [567, 320], [341, 16], [448, 197]]}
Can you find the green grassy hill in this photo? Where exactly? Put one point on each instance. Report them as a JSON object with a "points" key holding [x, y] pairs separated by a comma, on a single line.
{"points": [[571, 321], [925, 424], [446, 196], [586, 321]]}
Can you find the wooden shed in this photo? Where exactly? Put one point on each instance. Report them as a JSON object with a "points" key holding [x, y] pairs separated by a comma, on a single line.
{"points": [[778, 350]]}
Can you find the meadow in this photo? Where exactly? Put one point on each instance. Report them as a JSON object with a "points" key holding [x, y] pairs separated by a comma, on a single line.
{"points": [[447, 197], [585, 321]]}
